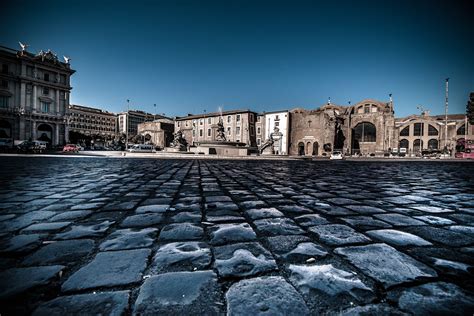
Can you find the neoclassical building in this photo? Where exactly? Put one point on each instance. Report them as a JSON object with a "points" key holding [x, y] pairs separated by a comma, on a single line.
{"points": [[239, 126], [269, 124], [34, 95]]}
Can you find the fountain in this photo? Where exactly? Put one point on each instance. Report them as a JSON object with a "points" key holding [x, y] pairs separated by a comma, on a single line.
{"points": [[220, 145]]}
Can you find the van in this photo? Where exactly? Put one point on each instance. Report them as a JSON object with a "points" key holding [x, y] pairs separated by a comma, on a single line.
{"points": [[142, 148]]}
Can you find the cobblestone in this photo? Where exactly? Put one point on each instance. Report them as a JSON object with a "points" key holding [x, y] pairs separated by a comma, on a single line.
{"points": [[197, 236]]}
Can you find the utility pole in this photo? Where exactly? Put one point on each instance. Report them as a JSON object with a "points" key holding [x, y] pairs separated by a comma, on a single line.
{"points": [[126, 125], [154, 114], [446, 116]]}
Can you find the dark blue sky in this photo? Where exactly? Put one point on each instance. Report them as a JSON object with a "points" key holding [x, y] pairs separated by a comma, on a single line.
{"points": [[191, 56]]}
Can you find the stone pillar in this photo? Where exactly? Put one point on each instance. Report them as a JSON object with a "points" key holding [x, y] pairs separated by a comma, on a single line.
{"points": [[34, 130], [23, 95], [58, 111], [35, 98], [21, 128], [56, 136], [66, 132]]}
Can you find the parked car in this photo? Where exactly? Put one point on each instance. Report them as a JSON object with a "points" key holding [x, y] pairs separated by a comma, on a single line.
{"points": [[336, 155], [70, 148], [34, 146], [142, 148]]}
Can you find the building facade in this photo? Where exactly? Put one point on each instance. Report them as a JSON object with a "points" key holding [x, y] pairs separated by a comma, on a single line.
{"points": [[92, 122], [158, 133], [366, 128], [34, 96], [275, 126], [239, 126], [131, 119], [423, 132]]}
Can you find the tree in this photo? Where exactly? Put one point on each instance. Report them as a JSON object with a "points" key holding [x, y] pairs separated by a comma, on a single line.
{"points": [[470, 109]]}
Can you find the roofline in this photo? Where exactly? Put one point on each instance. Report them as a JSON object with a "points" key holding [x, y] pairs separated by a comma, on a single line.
{"points": [[204, 115]]}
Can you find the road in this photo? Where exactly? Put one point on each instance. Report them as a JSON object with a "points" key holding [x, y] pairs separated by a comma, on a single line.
{"points": [[236, 237]]}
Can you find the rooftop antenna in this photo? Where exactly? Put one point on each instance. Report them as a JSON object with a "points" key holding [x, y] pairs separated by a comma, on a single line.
{"points": [[424, 111], [329, 100]]}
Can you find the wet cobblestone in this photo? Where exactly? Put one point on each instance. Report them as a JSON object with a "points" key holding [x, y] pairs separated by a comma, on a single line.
{"points": [[131, 236]]}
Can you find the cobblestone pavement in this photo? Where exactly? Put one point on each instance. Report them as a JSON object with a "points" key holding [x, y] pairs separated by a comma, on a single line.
{"points": [[130, 236]]}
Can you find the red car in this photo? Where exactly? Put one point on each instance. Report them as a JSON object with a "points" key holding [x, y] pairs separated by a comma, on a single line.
{"points": [[71, 147]]}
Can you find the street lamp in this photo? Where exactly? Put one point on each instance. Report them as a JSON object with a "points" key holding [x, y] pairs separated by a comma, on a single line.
{"points": [[154, 113], [126, 125]]}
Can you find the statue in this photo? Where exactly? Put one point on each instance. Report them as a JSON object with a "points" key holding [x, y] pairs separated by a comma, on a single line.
{"points": [[179, 142], [23, 46], [273, 144], [220, 131], [67, 59]]}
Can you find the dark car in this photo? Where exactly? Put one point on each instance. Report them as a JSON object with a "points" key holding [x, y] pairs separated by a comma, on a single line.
{"points": [[31, 146]]}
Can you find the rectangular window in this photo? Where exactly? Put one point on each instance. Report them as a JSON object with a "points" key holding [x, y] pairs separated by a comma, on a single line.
{"points": [[4, 101], [258, 118], [208, 132], [251, 118], [178, 124], [62, 79], [5, 84], [251, 131], [258, 141], [45, 107], [367, 108], [228, 131], [238, 118], [209, 120], [45, 91], [194, 133], [200, 132], [46, 77], [258, 131], [228, 119], [200, 121], [277, 123], [237, 130], [5, 68], [29, 71], [418, 129], [186, 124]]}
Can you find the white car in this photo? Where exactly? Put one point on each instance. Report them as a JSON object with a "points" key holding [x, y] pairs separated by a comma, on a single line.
{"points": [[142, 148], [336, 155]]}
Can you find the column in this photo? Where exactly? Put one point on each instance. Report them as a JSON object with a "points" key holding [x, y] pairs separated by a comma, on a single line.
{"points": [[33, 127], [56, 136], [58, 112], [23, 95], [35, 98]]}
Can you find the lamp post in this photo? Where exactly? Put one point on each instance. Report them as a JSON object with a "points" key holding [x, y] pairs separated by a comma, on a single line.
{"points": [[446, 116], [126, 125], [154, 113]]}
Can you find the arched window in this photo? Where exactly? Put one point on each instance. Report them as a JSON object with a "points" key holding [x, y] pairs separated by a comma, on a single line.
{"points": [[403, 143], [315, 148], [432, 131], [365, 132], [405, 131], [433, 144], [301, 149], [461, 130], [417, 145]]}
